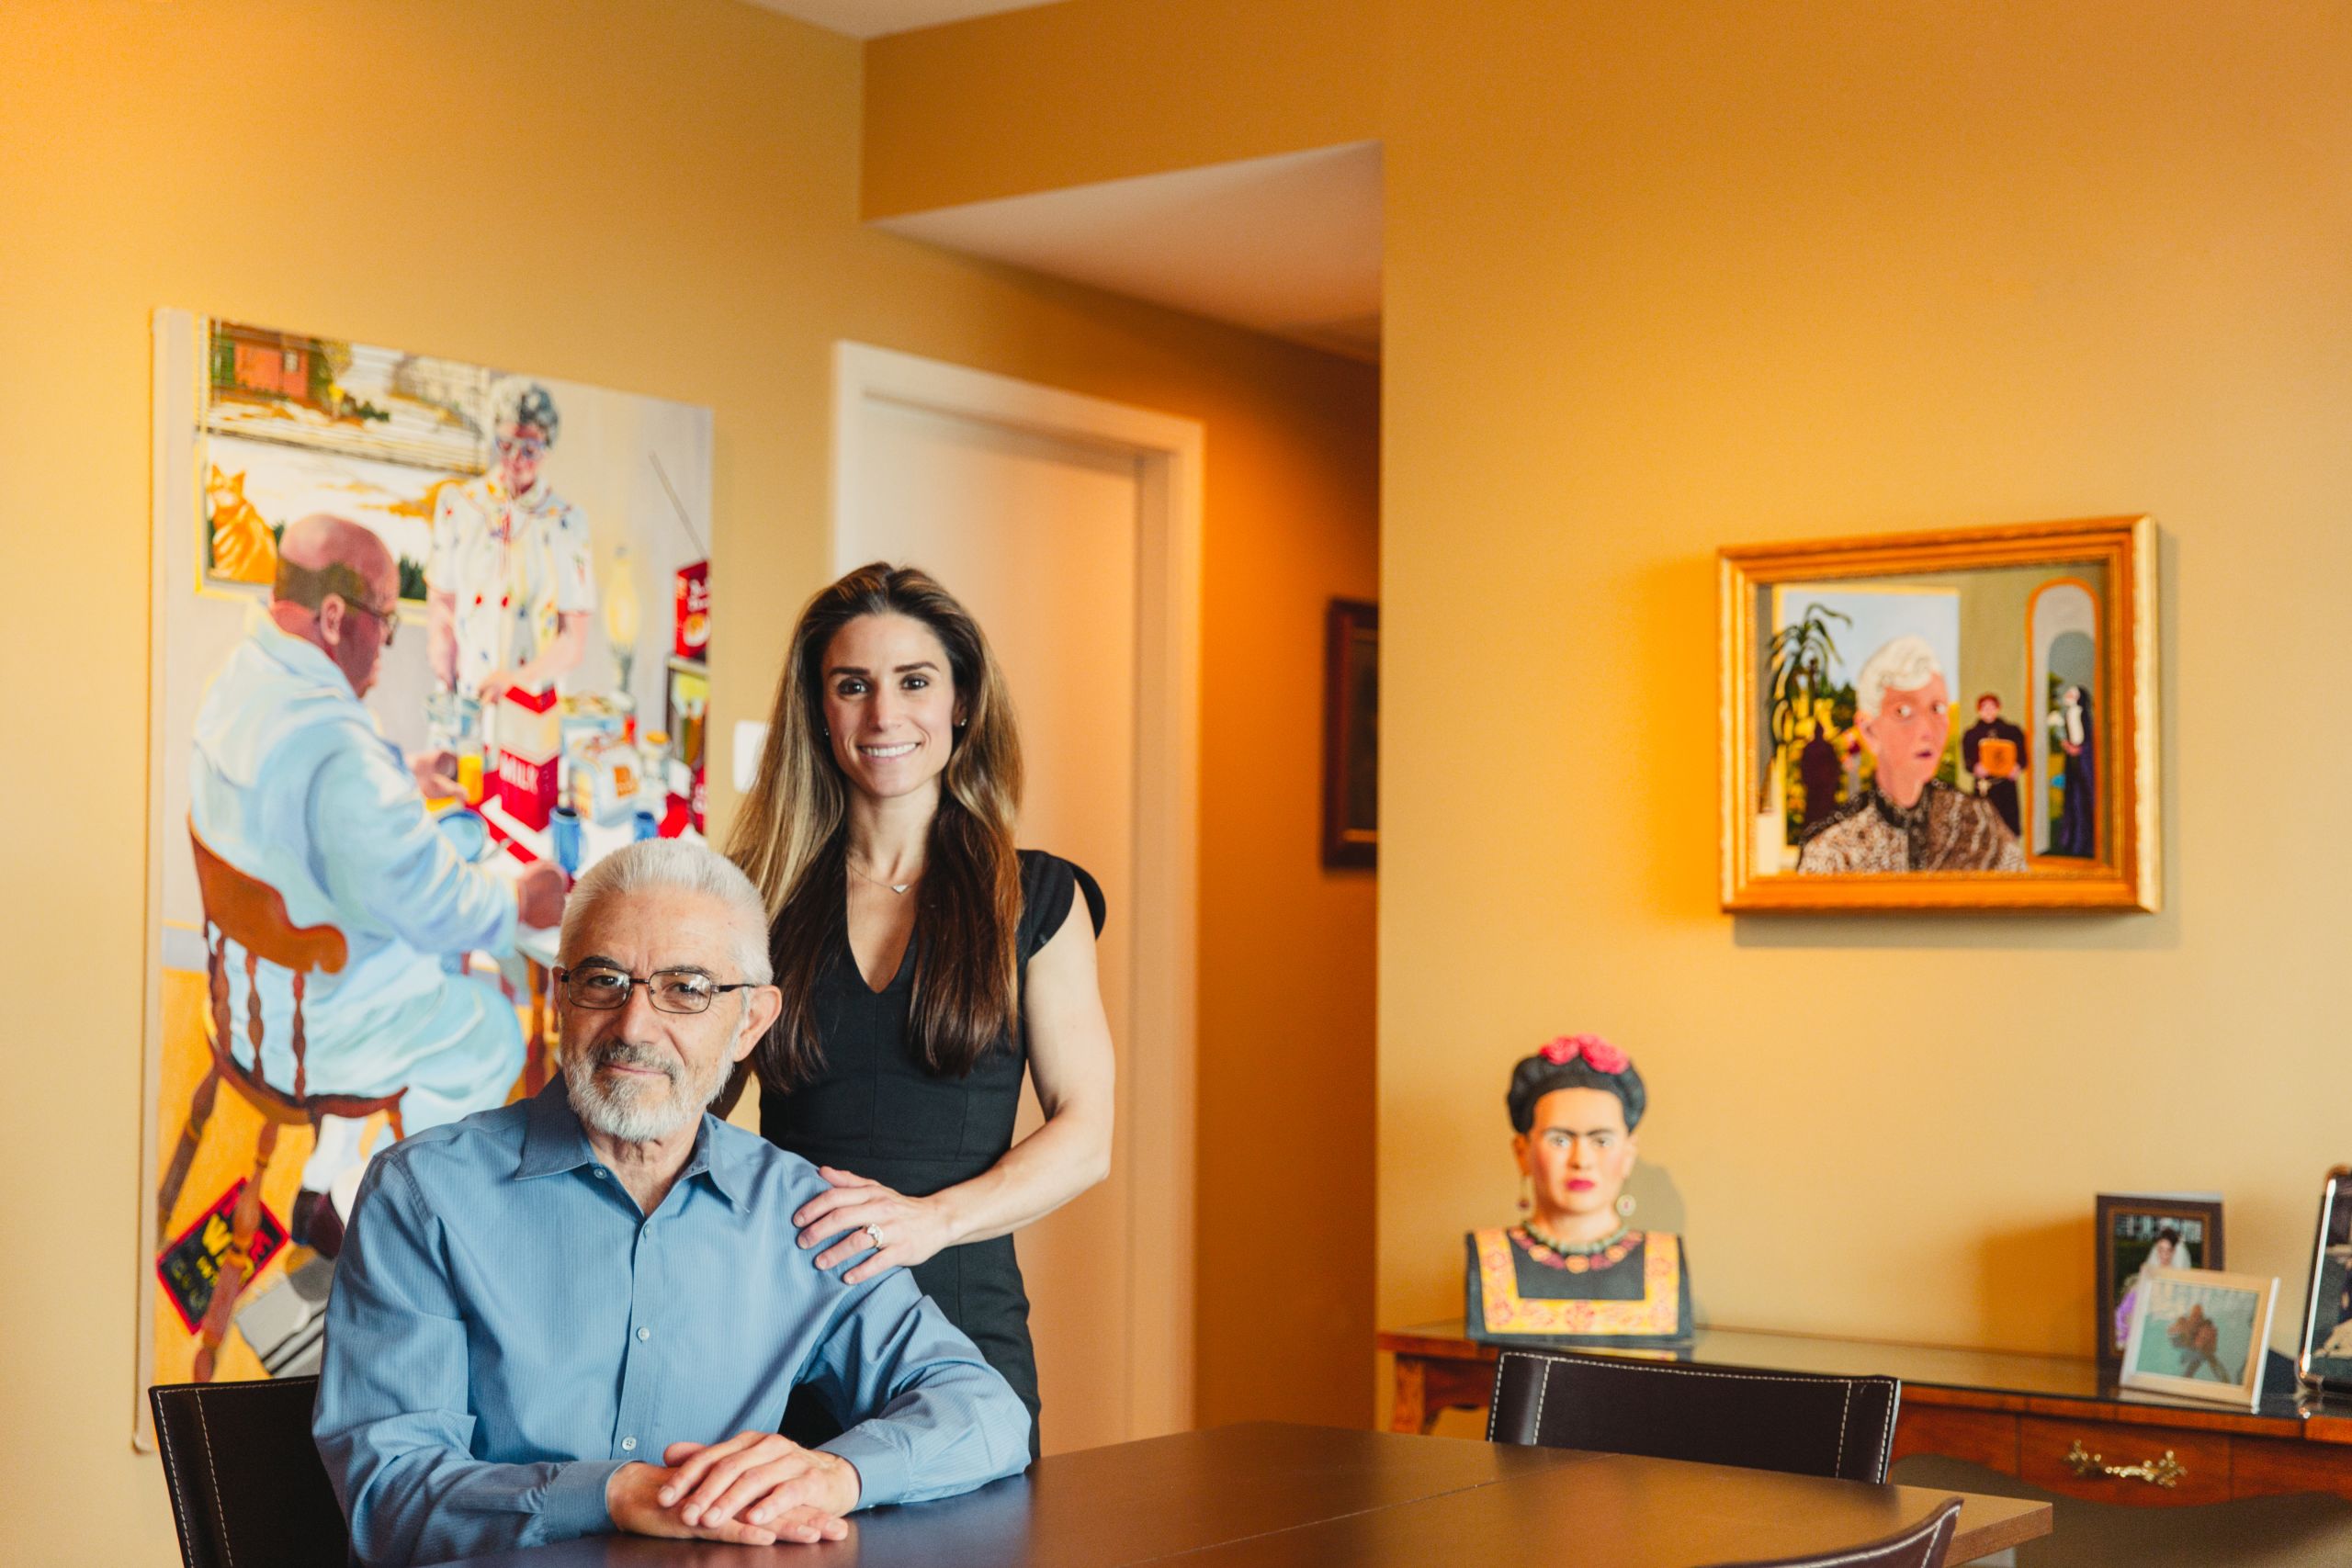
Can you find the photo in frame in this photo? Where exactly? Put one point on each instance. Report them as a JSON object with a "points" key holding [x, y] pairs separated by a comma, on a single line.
{"points": [[2326, 1357], [1964, 719], [1351, 734], [2200, 1334], [2138, 1231]]}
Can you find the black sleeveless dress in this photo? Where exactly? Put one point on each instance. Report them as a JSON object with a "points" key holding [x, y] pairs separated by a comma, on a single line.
{"points": [[874, 1109]]}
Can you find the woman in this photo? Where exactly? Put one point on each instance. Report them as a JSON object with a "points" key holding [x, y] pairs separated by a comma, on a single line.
{"points": [[923, 960], [2164, 1253], [1573, 1271], [2077, 737]]}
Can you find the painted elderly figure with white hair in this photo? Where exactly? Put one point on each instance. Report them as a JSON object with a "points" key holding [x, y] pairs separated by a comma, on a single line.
{"points": [[1908, 819], [510, 588], [584, 1313]]}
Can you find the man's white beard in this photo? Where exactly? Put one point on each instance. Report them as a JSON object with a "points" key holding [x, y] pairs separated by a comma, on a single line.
{"points": [[634, 1112]]}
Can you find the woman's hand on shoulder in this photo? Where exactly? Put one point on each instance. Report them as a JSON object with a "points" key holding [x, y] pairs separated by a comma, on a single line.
{"points": [[863, 1212]]}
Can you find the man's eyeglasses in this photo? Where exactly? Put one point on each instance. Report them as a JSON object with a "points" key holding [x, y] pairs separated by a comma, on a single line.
{"points": [[388, 619], [603, 988]]}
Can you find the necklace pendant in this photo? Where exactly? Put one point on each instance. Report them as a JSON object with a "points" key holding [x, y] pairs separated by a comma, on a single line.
{"points": [[900, 887]]}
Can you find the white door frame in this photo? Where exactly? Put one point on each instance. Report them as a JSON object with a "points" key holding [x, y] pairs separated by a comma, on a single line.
{"points": [[1156, 1079]]}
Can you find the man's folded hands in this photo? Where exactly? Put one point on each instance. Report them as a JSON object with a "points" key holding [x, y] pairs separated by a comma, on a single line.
{"points": [[755, 1488]]}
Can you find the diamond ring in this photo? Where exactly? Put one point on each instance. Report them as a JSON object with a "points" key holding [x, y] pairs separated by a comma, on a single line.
{"points": [[874, 1233]]}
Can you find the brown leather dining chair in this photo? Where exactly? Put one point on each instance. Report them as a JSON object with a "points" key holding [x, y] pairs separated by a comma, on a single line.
{"points": [[250, 912], [1922, 1546], [1803, 1423], [247, 1488]]}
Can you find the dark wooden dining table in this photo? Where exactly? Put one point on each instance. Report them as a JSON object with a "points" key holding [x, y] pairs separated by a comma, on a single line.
{"points": [[1268, 1494]]}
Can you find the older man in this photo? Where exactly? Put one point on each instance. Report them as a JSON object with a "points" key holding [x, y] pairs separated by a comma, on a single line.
{"points": [[1908, 819], [292, 783], [550, 1317]]}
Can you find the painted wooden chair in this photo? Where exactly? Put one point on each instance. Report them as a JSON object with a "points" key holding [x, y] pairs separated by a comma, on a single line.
{"points": [[251, 913]]}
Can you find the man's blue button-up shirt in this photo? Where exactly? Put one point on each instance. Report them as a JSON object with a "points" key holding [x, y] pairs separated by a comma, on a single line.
{"points": [[508, 1329]]}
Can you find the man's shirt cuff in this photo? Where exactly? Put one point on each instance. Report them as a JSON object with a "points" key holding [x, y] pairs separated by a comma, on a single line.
{"points": [[574, 1501], [881, 1467]]}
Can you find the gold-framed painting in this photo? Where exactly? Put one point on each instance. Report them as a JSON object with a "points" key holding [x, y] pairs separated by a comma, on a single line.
{"points": [[1964, 719]]}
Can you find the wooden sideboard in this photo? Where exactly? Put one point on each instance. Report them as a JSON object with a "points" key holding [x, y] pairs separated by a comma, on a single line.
{"points": [[2050, 1421]]}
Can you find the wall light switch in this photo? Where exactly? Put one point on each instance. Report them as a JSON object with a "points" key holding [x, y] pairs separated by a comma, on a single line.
{"points": [[751, 739]]}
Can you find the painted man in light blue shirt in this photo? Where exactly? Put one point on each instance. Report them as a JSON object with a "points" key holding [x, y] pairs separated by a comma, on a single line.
{"points": [[549, 1318], [292, 784]]}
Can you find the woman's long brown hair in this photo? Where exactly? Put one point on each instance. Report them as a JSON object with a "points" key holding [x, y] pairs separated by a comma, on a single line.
{"points": [[791, 838]]}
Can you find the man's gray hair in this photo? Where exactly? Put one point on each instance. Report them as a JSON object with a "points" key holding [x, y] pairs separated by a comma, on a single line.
{"points": [[671, 866], [1904, 664]]}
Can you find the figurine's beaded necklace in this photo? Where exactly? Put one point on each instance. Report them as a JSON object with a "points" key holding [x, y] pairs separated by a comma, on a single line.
{"points": [[1577, 1257]]}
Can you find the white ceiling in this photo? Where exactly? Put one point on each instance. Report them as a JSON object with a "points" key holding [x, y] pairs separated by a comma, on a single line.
{"points": [[873, 18], [1288, 245]]}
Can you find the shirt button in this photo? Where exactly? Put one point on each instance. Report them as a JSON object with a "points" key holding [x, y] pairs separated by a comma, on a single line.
{"points": [[600, 1173], [628, 1445], [645, 1333]]}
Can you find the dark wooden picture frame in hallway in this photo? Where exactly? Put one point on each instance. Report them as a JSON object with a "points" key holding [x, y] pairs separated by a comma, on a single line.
{"points": [[1351, 734]]}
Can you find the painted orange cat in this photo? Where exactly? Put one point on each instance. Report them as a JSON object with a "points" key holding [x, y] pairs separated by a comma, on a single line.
{"points": [[243, 548]]}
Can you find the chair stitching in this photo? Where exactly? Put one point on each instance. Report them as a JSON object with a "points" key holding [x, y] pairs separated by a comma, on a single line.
{"points": [[1542, 1388], [1817, 1378], [1877, 1551], [228, 1554], [1886, 1437], [250, 1385], [171, 1476], [1845, 1409]]}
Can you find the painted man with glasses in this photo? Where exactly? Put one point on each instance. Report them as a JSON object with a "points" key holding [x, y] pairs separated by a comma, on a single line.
{"points": [[585, 1312], [509, 587], [292, 784]]}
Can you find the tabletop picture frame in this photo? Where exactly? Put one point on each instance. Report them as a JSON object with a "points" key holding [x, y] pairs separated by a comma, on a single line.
{"points": [[2128, 1228], [2323, 1359], [1351, 734], [1964, 719], [2189, 1323]]}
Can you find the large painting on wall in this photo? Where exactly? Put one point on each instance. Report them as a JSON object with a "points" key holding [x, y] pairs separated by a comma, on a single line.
{"points": [[1954, 721], [429, 637]]}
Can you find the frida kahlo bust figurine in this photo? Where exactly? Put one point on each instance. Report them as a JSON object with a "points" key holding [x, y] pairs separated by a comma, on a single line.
{"points": [[1573, 1271]]}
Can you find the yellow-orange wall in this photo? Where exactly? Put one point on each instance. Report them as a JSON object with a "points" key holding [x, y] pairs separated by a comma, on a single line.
{"points": [[1661, 278], [655, 196], [1283, 1270], [1067, 95], [1667, 278]]}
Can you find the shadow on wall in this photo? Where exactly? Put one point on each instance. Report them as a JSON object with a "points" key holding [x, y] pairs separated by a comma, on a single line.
{"points": [[1658, 1206], [2046, 1270], [2014, 930]]}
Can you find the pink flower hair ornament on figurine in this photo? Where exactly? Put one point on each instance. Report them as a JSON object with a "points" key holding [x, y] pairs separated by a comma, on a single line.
{"points": [[1599, 1054]]}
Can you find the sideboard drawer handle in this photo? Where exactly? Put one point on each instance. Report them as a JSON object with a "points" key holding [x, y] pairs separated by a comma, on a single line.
{"points": [[2167, 1472]]}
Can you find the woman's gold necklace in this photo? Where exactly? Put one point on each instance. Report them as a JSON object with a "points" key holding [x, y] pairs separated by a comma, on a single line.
{"points": [[897, 887]]}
